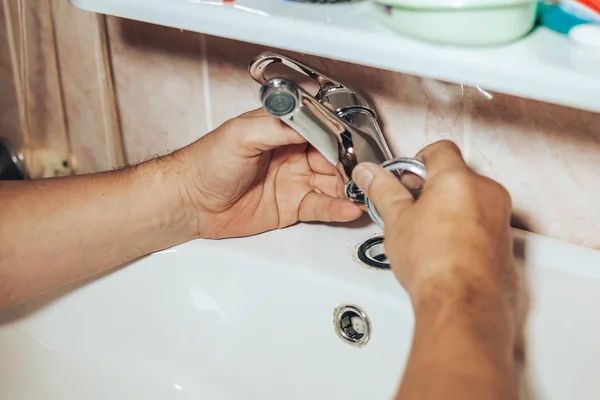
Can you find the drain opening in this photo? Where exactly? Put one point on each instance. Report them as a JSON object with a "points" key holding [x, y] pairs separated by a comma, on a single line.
{"points": [[352, 325], [372, 253]]}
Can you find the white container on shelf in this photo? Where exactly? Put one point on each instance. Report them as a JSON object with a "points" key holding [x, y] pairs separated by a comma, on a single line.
{"points": [[459, 22]]}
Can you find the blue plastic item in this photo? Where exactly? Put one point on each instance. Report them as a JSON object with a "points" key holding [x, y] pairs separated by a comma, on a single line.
{"points": [[557, 19]]}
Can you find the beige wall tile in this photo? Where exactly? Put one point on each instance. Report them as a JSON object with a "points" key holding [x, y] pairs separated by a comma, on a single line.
{"points": [[159, 86], [232, 90], [415, 111], [46, 127], [549, 159], [84, 81]]}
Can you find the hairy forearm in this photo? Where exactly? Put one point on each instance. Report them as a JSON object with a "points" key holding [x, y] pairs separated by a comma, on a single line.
{"points": [[462, 347], [57, 231]]}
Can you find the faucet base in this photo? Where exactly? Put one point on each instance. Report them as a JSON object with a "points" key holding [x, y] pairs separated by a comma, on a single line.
{"points": [[353, 193]]}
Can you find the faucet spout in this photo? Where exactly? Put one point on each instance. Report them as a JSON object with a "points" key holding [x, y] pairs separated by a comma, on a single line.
{"points": [[339, 122]]}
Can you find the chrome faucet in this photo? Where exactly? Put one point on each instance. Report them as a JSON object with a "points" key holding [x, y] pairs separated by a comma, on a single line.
{"points": [[338, 121]]}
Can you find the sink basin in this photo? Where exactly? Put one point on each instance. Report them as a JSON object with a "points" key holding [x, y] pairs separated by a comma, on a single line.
{"points": [[253, 318]]}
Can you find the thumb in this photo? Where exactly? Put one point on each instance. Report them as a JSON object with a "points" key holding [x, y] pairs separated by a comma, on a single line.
{"points": [[263, 133], [384, 189]]}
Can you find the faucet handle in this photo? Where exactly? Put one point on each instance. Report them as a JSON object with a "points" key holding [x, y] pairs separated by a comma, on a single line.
{"points": [[340, 96], [260, 63]]}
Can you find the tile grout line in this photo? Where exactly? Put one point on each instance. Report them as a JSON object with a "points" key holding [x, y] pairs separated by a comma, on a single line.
{"points": [[100, 75], [99, 72], [24, 73], [206, 84], [113, 133], [62, 105]]}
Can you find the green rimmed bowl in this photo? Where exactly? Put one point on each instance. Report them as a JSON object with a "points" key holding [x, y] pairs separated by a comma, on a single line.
{"points": [[460, 22]]}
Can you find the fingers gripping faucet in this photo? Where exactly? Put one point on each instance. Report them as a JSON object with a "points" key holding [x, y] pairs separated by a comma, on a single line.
{"points": [[339, 121]]}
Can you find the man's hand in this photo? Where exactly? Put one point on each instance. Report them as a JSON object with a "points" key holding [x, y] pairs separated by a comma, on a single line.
{"points": [[459, 228], [251, 175], [452, 251], [255, 174]]}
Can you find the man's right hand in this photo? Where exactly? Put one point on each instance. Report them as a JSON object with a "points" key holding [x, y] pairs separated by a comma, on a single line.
{"points": [[458, 229], [452, 251]]}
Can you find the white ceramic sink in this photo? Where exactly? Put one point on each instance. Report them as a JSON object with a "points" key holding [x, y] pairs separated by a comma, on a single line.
{"points": [[253, 319]]}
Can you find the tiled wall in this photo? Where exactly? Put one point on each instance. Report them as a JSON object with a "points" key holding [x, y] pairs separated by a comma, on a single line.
{"points": [[55, 84], [171, 87]]}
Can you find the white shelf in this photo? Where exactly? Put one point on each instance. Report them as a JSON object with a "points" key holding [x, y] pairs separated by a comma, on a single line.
{"points": [[544, 66]]}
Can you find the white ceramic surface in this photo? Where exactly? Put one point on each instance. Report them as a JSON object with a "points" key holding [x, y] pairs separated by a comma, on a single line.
{"points": [[252, 319], [545, 66]]}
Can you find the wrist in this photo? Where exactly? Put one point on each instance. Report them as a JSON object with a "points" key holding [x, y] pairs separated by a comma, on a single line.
{"points": [[467, 336], [457, 282], [165, 176], [480, 267], [472, 301]]}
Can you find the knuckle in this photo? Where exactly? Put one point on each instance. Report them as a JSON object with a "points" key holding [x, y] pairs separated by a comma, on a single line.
{"points": [[233, 125], [459, 179], [253, 113], [502, 195], [246, 130], [465, 182], [274, 123], [444, 147], [267, 125], [489, 191]]}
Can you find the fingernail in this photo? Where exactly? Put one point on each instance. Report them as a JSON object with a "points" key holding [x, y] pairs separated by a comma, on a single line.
{"points": [[362, 176]]}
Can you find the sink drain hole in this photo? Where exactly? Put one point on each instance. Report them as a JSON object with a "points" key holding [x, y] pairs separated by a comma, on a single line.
{"points": [[372, 253], [352, 325]]}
